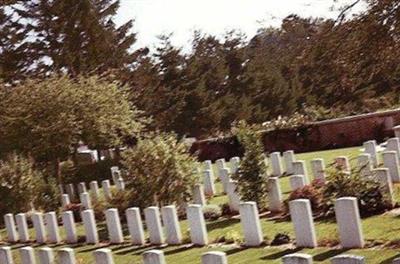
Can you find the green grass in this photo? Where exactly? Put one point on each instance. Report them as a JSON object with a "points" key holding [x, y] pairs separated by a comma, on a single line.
{"points": [[379, 231]]}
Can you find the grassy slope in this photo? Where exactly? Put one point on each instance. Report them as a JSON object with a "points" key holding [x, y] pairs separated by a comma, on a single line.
{"points": [[378, 230]]}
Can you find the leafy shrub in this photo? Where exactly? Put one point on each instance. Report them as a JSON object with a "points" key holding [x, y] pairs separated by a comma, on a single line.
{"points": [[22, 187], [159, 170], [226, 209], [231, 236], [76, 209], [251, 174], [371, 199], [212, 212], [280, 239], [311, 192]]}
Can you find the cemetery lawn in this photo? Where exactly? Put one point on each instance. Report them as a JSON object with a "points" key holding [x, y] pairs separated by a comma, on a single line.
{"points": [[382, 234]]}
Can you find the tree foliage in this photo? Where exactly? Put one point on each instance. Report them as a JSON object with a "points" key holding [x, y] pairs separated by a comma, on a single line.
{"points": [[159, 171]]}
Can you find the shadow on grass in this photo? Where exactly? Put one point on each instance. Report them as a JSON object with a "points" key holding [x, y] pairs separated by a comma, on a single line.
{"points": [[136, 250], [280, 254], [235, 250], [179, 249], [90, 249], [390, 260], [329, 254], [219, 224]]}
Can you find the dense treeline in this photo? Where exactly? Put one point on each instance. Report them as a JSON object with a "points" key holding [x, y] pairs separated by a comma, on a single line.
{"points": [[329, 67]]}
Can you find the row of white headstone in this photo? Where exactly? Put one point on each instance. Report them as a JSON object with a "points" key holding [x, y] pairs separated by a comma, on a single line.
{"points": [[300, 258]]}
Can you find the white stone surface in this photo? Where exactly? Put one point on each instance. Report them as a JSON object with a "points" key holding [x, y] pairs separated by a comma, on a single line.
{"points": [[52, 227], [154, 257], [120, 184], [318, 169], [349, 222], [66, 256], [297, 258], [220, 163], [209, 186], [114, 226], [22, 227], [12, 235], [135, 225], [171, 224], [224, 175], [27, 255], [370, 148], [81, 187], [46, 255], [276, 164], [198, 195], [38, 225], [85, 200], [289, 157], [65, 201], [393, 144], [297, 181], [250, 222], [302, 219], [235, 163], [275, 200], [233, 196], [153, 223], [364, 164], [94, 189], [214, 257], [71, 191], [299, 168], [106, 189], [342, 162], [391, 161], [396, 130], [89, 224], [197, 225], [103, 256], [69, 227], [207, 165], [383, 176], [6, 256], [348, 259]]}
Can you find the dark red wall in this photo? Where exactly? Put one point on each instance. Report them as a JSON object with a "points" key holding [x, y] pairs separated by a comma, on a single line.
{"points": [[335, 133]]}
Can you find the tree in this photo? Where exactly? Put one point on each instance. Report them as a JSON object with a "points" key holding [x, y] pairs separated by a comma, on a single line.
{"points": [[164, 162], [47, 119], [252, 171], [77, 37]]}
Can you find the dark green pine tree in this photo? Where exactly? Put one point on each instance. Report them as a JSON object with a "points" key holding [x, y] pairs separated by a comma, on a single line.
{"points": [[78, 36]]}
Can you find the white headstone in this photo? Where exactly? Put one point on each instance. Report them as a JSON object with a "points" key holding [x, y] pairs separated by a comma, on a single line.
{"points": [[197, 225], [208, 165], [94, 189], [297, 181], [153, 257], [69, 227], [22, 227], [251, 226], [276, 163], [288, 157], [171, 224], [347, 259], [89, 224], [396, 130], [393, 144], [302, 219], [114, 226], [38, 225], [342, 163], [299, 168], [153, 223], [209, 187], [103, 256], [198, 195], [233, 196], [45, 255], [318, 169], [85, 200], [27, 255], [66, 256], [383, 176], [12, 235], [120, 184], [214, 257], [65, 201], [224, 175], [391, 161], [5, 255], [297, 258], [370, 148], [71, 191], [364, 164], [52, 227], [106, 189], [275, 199], [235, 163], [135, 225], [349, 223], [81, 187]]}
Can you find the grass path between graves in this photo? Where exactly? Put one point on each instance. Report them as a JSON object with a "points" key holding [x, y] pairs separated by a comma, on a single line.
{"points": [[381, 233]]}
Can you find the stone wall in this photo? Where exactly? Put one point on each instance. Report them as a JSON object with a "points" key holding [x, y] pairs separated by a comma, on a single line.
{"points": [[334, 133]]}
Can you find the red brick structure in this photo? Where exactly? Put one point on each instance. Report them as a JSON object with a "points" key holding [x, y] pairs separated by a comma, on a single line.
{"points": [[334, 133]]}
